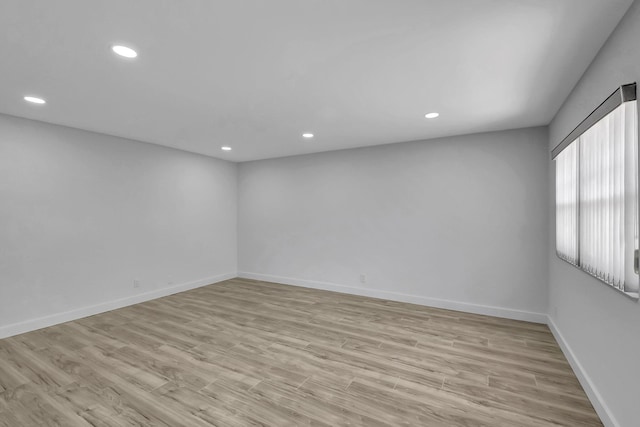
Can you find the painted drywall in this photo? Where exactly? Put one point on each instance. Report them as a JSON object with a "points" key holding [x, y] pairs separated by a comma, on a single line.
{"points": [[457, 222], [600, 326], [83, 215]]}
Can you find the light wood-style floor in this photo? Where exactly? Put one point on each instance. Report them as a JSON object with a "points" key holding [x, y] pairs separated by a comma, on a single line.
{"points": [[243, 353]]}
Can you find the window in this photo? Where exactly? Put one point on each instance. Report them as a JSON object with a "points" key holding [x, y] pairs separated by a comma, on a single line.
{"points": [[597, 193]]}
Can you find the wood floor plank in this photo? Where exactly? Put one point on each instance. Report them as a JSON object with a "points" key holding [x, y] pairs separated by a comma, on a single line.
{"points": [[251, 353]]}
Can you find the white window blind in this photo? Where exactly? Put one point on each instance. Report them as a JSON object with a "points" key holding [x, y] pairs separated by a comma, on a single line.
{"points": [[567, 203], [597, 199], [607, 174]]}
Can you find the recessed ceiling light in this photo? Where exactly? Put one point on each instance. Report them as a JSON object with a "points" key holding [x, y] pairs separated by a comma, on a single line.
{"points": [[225, 148], [125, 51], [307, 135], [432, 115], [35, 100]]}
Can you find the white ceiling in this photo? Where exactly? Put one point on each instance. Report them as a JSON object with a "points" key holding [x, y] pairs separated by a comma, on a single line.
{"points": [[256, 74]]}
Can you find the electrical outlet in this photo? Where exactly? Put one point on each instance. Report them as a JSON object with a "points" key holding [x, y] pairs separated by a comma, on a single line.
{"points": [[363, 278], [136, 283]]}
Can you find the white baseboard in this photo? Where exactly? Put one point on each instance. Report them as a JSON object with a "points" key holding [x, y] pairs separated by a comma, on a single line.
{"points": [[603, 411], [507, 313], [54, 319]]}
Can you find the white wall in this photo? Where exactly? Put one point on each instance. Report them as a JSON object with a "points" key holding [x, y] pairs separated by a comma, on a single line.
{"points": [[82, 215], [457, 222], [598, 325]]}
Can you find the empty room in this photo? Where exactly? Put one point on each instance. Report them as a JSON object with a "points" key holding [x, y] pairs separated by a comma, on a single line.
{"points": [[319, 213]]}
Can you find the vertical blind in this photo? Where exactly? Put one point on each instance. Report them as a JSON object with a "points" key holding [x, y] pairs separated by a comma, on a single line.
{"points": [[597, 200], [567, 204], [602, 202]]}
